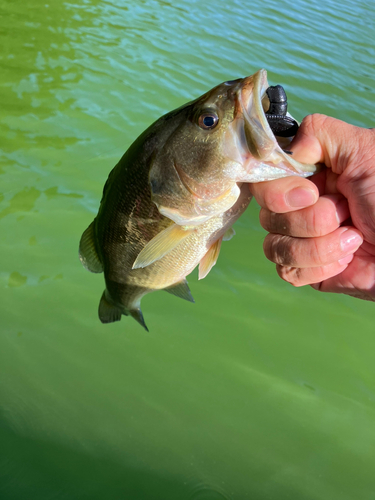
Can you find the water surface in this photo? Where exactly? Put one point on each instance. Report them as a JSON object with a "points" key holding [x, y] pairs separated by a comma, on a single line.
{"points": [[258, 391]]}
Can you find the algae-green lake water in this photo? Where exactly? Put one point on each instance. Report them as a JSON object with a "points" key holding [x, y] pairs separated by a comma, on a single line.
{"points": [[258, 390]]}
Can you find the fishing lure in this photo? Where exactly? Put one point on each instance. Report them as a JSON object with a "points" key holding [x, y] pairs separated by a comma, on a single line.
{"points": [[281, 124]]}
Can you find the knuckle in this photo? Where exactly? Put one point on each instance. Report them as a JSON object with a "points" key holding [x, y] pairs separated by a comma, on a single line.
{"points": [[279, 249], [295, 252], [314, 252], [322, 226], [314, 276], [275, 223], [282, 224], [307, 123], [265, 219], [270, 199], [292, 275], [323, 216], [307, 223], [311, 124], [312, 225], [317, 286]]}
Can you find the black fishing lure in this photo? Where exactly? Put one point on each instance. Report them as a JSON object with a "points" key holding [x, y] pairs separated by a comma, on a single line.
{"points": [[281, 124]]}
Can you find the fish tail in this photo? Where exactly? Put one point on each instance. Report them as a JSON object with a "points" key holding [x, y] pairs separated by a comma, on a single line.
{"points": [[108, 312], [138, 316]]}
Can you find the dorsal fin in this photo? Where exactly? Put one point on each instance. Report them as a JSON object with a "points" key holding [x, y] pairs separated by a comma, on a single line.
{"points": [[209, 260], [180, 289], [87, 252], [161, 244]]}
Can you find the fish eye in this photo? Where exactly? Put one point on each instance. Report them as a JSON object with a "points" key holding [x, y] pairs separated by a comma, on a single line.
{"points": [[208, 120]]}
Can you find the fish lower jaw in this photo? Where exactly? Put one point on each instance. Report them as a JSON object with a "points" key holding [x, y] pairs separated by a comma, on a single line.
{"points": [[276, 166]]}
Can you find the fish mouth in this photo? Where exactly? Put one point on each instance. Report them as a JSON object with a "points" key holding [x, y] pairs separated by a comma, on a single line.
{"points": [[258, 137]]}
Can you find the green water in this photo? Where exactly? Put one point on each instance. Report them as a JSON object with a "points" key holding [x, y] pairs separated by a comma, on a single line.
{"points": [[258, 391]]}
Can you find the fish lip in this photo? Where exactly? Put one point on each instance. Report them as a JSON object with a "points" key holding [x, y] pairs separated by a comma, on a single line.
{"points": [[260, 86], [260, 140], [259, 135]]}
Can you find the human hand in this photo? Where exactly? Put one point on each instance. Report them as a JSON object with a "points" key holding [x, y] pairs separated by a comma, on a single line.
{"points": [[322, 231]]}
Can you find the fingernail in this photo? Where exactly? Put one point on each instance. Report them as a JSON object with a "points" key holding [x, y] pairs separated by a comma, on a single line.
{"points": [[350, 240], [300, 197]]}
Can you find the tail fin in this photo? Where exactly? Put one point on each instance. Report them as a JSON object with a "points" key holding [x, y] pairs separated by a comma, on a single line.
{"points": [[138, 316], [108, 313]]}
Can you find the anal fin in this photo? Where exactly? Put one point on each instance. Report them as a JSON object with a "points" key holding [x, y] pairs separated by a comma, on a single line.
{"points": [[209, 260], [108, 313], [161, 244], [87, 252], [180, 289]]}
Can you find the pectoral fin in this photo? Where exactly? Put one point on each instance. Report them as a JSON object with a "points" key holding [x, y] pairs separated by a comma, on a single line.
{"points": [[209, 260], [181, 289], [161, 244], [228, 235], [87, 252]]}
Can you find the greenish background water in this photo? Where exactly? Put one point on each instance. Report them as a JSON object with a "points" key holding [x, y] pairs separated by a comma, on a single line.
{"points": [[258, 391]]}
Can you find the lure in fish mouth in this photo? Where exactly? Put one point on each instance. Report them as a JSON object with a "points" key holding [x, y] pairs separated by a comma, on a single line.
{"points": [[260, 131], [281, 124], [172, 199]]}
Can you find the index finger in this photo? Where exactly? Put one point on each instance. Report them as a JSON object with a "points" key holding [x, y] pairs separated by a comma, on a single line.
{"points": [[323, 139], [286, 194]]}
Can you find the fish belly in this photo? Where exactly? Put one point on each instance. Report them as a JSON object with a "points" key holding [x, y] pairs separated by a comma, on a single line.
{"points": [[129, 287]]}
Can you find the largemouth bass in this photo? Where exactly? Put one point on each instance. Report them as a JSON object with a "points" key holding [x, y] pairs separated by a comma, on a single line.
{"points": [[175, 194]]}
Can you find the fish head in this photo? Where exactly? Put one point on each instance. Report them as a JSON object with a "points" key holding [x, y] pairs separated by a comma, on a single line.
{"points": [[214, 143], [257, 154]]}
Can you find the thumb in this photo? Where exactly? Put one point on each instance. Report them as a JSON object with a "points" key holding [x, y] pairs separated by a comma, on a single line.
{"points": [[349, 151], [339, 145]]}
